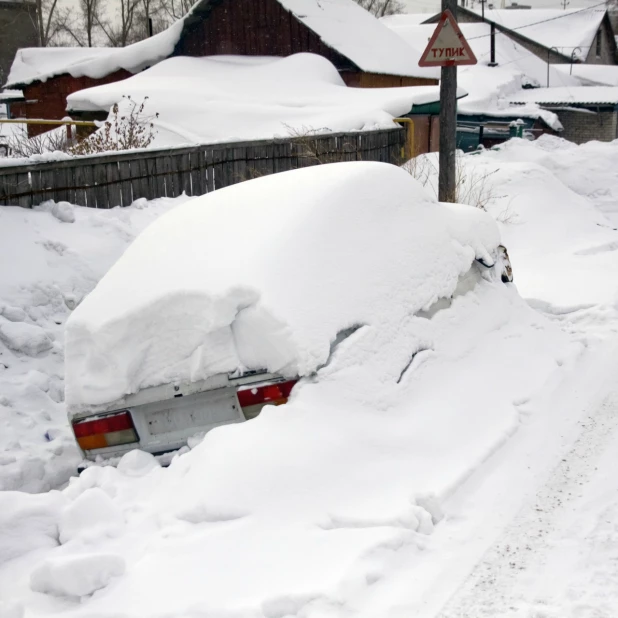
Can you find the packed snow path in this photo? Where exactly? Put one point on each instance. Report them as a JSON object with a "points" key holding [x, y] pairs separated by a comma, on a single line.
{"points": [[559, 556]]}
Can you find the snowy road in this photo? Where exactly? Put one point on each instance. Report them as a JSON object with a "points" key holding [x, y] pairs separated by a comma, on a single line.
{"points": [[559, 556], [533, 532]]}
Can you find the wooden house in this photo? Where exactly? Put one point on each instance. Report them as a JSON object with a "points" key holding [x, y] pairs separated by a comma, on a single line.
{"points": [[555, 36]]}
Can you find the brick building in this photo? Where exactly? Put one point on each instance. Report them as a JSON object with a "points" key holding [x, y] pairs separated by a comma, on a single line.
{"points": [[586, 113], [365, 52]]}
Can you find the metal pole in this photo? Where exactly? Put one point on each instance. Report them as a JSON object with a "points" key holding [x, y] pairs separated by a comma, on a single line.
{"points": [[572, 57], [492, 48], [549, 52], [448, 124]]}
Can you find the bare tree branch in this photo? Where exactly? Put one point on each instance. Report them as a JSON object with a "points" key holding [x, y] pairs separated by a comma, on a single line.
{"points": [[381, 8]]}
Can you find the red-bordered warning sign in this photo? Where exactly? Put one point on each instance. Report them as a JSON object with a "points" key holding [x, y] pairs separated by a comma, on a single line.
{"points": [[447, 46]]}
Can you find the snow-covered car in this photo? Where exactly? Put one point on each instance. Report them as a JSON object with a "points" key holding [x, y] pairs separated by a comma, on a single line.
{"points": [[163, 418], [220, 306]]}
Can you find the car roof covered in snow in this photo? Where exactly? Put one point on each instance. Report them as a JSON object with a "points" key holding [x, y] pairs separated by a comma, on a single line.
{"points": [[264, 274]]}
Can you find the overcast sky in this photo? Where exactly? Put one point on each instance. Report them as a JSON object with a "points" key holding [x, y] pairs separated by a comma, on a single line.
{"points": [[412, 6], [433, 6]]}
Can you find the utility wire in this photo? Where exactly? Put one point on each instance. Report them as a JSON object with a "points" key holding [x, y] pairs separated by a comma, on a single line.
{"points": [[594, 6]]}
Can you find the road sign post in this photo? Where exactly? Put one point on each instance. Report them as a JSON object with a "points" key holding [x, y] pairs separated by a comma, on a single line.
{"points": [[447, 49]]}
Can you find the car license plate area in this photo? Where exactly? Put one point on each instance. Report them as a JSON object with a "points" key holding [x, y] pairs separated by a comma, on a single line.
{"points": [[194, 412]]}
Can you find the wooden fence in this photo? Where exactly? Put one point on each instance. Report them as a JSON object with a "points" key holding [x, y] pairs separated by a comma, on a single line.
{"points": [[110, 180]]}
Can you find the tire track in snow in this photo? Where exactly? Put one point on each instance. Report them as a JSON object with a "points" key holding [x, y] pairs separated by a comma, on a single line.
{"points": [[502, 582]]}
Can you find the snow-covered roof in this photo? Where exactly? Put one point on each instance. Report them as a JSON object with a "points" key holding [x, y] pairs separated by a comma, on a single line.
{"points": [[583, 95], [487, 86], [11, 95], [226, 98], [341, 24], [356, 34], [563, 29], [590, 74], [40, 63]]}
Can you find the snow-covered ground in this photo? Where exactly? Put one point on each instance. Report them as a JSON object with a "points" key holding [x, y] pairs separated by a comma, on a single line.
{"points": [[478, 482], [50, 258]]}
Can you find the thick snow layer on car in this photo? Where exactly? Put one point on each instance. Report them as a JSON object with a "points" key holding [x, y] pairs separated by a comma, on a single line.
{"points": [[265, 274], [228, 98]]}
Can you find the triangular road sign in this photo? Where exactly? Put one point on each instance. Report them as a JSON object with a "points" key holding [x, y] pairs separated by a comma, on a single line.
{"points": [[448, 46]]}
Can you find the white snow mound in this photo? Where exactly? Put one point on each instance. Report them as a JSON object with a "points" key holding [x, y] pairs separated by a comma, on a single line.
{"points": [[76, 576], [264, 274], [28, 339]]}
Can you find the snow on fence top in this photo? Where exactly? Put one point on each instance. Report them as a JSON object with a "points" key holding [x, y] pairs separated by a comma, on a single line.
{"points": [[583, 95], [341, 24], [265, 274], [564, 29], [225, 98]]}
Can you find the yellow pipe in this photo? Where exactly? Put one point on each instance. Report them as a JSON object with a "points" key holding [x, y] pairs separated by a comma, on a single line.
{"points": [[77, 123], [408, 151]]}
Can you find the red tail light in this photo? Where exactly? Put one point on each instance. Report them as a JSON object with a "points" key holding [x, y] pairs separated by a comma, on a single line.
{"points": [[253, 398], [110, 430]]}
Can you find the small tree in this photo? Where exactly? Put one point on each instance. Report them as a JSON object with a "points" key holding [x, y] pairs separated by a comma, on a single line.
{"points": [[126, 128]]}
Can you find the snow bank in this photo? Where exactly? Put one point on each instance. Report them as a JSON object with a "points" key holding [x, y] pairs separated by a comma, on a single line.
{"points": [[304, 274], [233, 97], [76, 576], [556, 204], [50, 258], [311, 508], [28, 523]]}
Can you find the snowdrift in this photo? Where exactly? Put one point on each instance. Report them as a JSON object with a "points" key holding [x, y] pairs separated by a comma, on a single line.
{"points": [[311, 509], [227, 98], [50, 258], [265, 274]]}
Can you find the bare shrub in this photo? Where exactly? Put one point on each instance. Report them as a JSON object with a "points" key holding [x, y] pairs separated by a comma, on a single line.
{"points": [[20, 145], [123, 130], [472, 187]]}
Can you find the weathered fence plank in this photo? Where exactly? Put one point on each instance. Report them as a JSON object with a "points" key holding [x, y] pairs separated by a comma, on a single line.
{"points": [[106, 181]]}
